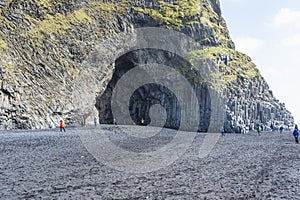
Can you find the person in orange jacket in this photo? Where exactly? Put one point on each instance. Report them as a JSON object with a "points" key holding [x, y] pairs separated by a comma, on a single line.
{"points": [[62, 125]]}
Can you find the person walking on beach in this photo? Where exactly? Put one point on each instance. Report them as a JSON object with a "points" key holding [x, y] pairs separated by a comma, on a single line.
{"points": [[244, 130], [142, 122], [222, 131], [62, 125], [259, 129], [95, 121], [281, 129], [296, 134]]}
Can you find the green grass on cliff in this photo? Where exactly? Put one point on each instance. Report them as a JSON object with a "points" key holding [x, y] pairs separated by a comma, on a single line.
{"points": [[3, 46], [47, 31], [238, 64], [175, 15], [57, 24], [184, 13]]}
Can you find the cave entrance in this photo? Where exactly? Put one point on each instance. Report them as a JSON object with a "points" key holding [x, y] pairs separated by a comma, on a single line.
{"points": [[151, 95]]}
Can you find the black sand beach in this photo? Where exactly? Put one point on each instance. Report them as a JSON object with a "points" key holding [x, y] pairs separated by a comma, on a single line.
{"points": [[52, 165]]}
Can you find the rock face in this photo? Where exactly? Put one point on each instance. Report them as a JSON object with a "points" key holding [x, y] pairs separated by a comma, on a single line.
{"points": [[45, 45]]}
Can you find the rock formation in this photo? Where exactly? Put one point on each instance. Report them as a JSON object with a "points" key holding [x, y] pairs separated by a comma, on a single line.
{"points": [[44, 46]]}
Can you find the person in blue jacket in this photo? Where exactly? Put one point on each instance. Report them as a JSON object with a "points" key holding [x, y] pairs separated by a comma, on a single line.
{"points": [[222, 131], [296, 134]]}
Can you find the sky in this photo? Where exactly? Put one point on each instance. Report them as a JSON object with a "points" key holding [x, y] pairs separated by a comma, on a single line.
{"points": [[269, 32]]}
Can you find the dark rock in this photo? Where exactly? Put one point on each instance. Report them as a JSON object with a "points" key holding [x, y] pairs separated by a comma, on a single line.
{"points": [[45, 45]]}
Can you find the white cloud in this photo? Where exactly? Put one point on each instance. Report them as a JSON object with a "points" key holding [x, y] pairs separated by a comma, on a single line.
{"points": [[248, 44], [292, 41], [286, 17]]}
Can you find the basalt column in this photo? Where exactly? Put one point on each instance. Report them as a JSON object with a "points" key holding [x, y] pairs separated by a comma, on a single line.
{"points": [[149, 96]]}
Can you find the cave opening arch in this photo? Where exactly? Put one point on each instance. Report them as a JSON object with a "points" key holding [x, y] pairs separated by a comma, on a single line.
{"points": [[153, 94]]}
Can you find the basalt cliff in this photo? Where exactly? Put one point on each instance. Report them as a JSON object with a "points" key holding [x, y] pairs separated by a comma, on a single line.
{"points": [[45, 46]]}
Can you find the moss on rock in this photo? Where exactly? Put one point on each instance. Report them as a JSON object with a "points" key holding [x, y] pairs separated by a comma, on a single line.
{"points": [[184, 13], [232, 63], [57, 24]]}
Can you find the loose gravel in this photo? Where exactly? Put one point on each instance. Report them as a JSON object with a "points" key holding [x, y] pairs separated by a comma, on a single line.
{"points": [[48, 164]]}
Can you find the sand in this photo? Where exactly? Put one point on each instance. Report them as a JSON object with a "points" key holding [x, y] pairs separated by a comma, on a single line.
{"points": [[48, 164]]}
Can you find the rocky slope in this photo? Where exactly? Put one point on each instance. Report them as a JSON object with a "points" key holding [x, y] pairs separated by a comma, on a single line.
{"points": [[44, 45]]}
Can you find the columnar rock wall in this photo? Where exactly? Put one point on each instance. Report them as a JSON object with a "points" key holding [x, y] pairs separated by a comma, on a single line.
{"points": [[44, 46]]}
